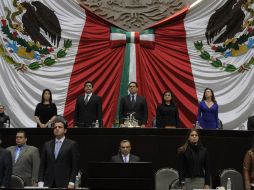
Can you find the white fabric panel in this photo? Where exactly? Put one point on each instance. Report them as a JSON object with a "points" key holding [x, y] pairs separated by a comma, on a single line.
{"points": [[20, 92], [132, 68], [234, 92]]}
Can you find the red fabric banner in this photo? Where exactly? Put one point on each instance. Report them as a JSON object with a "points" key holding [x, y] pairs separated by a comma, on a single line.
{"points": [[97, 62]]}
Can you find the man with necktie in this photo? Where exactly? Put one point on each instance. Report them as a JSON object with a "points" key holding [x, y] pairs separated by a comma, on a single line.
{"points": [[124, 155], [26, 160], [88, 108], [59, 159], [133, 104]]}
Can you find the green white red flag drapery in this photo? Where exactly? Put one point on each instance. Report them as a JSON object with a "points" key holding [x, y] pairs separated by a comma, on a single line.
{"points": [[174, 64]]}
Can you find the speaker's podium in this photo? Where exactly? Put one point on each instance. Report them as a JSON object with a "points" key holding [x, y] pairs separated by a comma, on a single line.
{"points": [[120, 176]]}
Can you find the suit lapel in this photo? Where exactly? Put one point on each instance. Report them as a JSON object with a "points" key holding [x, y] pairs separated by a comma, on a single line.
{"points": [[13, 153], [52, 148], [121, 157], [90, 100]]}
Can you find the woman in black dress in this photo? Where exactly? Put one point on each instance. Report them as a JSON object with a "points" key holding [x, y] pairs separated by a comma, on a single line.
{"points": [[46, 110], [167, 113]]}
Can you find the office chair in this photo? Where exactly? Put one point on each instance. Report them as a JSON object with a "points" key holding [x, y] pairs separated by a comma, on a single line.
{"points": [[17, 182], [164, 178], [235, 176]]}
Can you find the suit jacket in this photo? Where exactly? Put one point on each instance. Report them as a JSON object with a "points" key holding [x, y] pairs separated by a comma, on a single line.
{"points": [[4, 119], [27, 164], [61, 170], [250, 123], [140, 109], [5, 167], [119, 158], [86, 114]]}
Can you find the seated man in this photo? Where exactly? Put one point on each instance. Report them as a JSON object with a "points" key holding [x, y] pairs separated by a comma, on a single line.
{"points": [[124, 155], [4, 119], [250, 123]]}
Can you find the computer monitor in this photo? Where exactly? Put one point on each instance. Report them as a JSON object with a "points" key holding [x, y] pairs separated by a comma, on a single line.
{"points": [[121, 176]]}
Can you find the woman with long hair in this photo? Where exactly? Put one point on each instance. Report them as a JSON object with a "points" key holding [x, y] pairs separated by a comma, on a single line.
{"points": [[193, 163], [167, 112], [46, 110], [208, 111]]}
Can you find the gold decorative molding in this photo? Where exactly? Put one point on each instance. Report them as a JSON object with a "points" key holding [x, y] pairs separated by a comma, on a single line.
{"points": [[133, 15]]}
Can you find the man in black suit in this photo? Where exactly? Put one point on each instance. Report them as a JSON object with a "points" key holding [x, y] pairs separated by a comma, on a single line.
{"points": [[133, 104], [59, 159], [5, 167], [250, 123], [88, 108], [124, 155], [4, 119]]}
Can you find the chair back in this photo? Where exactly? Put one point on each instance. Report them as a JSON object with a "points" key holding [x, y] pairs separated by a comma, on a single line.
{"points": [[235, 176], [175, 185], [17, 182], [164, 178]]}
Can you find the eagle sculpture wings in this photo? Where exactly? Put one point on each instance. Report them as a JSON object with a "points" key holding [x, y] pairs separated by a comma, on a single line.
{"points": [[231, 16], [37, 17]]}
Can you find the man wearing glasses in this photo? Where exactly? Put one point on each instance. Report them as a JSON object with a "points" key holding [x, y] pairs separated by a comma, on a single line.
{"points": [[133, 105], [88, 108]]}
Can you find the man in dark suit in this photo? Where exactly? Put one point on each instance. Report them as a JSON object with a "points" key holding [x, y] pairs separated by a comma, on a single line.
{"points": [[250, 123], [88, 108], [5, 167], [125, 155], [133, 104], [25, 159], [59, 159], [4, 119]]}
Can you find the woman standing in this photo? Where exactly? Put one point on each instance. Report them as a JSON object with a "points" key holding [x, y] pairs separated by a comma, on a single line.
{"points": [[167, 113], [208, 111], [193, 163], [46, 110]]}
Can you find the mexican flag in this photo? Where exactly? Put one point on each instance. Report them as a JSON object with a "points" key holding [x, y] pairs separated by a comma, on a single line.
{"points": [[180, 53]]}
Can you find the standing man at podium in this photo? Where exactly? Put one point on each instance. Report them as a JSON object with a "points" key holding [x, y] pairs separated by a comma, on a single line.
{"points": [[88, 108], [124, 155], [133, 104]]}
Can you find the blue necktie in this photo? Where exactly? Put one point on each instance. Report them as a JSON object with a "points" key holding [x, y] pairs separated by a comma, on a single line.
{"points": [[17, 154], [57, 148]]}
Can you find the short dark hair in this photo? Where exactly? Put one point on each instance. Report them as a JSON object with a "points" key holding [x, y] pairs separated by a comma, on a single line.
{"points": [[133, 82], [60, 119], [21, 131], [125, 141], [88, 82]]}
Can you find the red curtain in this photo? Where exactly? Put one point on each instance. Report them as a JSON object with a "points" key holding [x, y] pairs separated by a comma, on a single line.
{"points": [[97, 62], [168, 67]]}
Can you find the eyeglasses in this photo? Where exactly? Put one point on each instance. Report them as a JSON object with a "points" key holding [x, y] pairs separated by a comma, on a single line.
{"points": [[88, 85], [132, 86]]}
